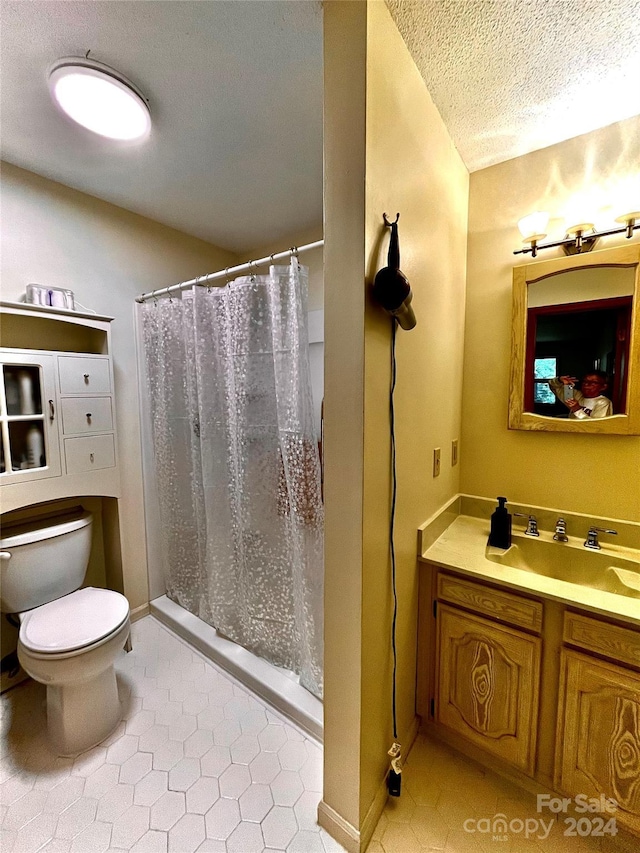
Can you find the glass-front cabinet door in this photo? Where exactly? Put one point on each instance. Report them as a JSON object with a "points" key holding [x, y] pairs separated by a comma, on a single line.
{"points": [[28, 417]]}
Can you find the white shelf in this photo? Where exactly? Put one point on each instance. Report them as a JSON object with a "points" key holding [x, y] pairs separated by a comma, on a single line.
{"points": [[49, 311]]}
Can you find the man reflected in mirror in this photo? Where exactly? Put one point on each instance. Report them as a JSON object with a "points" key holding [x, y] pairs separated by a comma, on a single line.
{"points": [[587, 402]]}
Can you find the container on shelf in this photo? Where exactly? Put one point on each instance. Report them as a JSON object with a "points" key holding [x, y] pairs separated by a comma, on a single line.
{"points": [[37, 294], [26, 440], [26, 392]]}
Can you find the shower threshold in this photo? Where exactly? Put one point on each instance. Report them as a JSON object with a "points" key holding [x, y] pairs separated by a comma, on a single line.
{"points": [[279, 687]]}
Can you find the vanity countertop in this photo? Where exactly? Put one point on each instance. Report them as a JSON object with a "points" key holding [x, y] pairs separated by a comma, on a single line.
{"points": [[463, 547]]}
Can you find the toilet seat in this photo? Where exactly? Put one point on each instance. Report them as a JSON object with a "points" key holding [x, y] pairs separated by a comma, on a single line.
{"points": [[74, 622]]}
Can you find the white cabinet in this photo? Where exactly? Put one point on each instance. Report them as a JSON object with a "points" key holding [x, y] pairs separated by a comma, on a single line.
{"points": [[86, 414], [89, 454], [29, 417], [84, 375], [57, 413]]}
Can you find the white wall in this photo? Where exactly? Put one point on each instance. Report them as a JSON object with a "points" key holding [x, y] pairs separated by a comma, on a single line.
{"points": [[57, 236]]}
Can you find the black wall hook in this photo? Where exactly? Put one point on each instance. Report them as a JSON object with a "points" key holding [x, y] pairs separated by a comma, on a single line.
{"points": [[391, 287]]}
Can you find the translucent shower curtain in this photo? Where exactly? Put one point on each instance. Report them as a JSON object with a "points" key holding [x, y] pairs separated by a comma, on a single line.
{"points": [[235, 366]]}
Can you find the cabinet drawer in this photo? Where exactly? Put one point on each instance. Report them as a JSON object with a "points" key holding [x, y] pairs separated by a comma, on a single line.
{"points": [[86, 414], [614, 641], [84, 375], [89, 453], [521, 612]]}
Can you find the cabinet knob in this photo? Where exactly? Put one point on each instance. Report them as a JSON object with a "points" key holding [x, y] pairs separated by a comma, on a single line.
{"points": [[91, 456], [86, 377], [89, 416]]}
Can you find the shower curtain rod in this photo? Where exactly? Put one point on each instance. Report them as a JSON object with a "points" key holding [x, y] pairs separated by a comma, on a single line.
{"points": [[202, 280]]}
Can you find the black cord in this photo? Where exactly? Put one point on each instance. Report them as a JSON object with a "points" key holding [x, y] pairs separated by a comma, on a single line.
{"points": [[392, 520]]}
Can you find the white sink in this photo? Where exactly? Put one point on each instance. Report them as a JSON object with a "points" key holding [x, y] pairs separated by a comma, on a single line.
{"points": [[606, 570]]}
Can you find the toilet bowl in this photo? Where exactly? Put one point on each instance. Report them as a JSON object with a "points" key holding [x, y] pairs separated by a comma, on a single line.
{"points": [[69, 638], [71, 645]]}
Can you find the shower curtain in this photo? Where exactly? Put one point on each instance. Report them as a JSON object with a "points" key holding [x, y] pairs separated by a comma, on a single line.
{"points": [[237, 463]]}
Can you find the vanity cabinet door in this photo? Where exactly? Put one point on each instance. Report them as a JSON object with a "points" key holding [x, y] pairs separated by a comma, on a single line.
{"points": [[599, 733], [487, 680]]}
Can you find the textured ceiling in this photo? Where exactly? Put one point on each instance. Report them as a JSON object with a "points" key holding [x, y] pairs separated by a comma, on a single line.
{"points": [[235, 89], [512, 76]]}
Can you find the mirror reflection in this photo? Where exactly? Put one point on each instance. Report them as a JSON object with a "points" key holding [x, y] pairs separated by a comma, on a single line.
{"points": [[577, 343]]}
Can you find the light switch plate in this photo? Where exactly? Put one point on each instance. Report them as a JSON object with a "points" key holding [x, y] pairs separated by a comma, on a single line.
{"points": [[454, 452], [436, 462]]}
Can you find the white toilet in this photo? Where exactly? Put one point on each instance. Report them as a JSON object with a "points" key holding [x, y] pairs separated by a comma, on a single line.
{"points": [[69, 637]]}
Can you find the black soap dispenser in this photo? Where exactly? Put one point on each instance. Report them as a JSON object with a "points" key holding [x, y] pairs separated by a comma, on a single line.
{"points": [[500, 536]]}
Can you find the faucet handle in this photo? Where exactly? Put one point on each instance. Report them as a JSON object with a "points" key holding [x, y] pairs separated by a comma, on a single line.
{"points": [[592, 537], [532, 523], [560, 534]]}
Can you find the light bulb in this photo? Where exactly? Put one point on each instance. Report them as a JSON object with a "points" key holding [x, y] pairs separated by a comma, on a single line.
{"points": [[629, 219], [534, 226]]}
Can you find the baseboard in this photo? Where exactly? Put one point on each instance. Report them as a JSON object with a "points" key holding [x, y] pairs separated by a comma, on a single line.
{"points": [[339, 828], [357, 841], [139, 612]]}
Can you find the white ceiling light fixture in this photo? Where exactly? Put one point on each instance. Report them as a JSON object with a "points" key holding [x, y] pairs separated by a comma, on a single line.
{"points": [[99, 98]]}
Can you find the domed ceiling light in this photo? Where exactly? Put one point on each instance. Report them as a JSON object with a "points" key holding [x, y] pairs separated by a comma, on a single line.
{"points": [[99, 98]]}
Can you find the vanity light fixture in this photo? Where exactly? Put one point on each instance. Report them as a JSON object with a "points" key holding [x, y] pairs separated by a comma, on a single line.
{"points": [[99, 98], [533, 229], [579, 238]]}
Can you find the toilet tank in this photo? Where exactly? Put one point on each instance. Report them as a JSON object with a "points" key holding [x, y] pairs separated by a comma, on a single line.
{"points": [[43, 559]]}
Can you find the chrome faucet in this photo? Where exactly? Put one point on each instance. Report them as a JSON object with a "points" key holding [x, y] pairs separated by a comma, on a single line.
{"points": [[561, 531], [532, 524], [592, 537]]}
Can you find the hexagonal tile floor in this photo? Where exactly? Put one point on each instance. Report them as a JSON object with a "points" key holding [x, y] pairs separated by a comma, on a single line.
{"points": [[197, 764], [200, 764], [450, 804]]}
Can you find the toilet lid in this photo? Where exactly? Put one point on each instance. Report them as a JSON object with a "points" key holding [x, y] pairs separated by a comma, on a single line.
{"points": [[79, 619]]}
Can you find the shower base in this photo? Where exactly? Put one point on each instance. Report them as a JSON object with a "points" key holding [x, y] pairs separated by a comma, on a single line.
{"points": [[279, 687]]}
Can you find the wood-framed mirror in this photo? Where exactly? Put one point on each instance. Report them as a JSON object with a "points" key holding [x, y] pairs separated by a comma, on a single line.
{"points": [[575, 346]]}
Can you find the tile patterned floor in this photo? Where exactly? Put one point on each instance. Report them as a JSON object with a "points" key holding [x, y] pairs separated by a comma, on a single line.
{"points": [[197, 764], [441, 789], [200, 764]]}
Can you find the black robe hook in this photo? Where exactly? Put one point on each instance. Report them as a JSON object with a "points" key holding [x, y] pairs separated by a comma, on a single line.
{"points": [[391, 287]]}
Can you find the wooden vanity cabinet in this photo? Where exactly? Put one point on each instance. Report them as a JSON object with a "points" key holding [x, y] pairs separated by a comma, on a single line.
{"points": [[553, 702], [487, 685], [598, 730], [487, 669]]}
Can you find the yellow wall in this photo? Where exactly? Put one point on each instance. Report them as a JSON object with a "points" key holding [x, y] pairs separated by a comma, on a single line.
{"points": [[344, 270], [597, 475], [54, 235], [411, 166]]}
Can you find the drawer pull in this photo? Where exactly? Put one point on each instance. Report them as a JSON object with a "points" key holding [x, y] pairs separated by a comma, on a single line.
{"points": [[52, 411], [86, 377], [91, 456], [89, 416]]}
